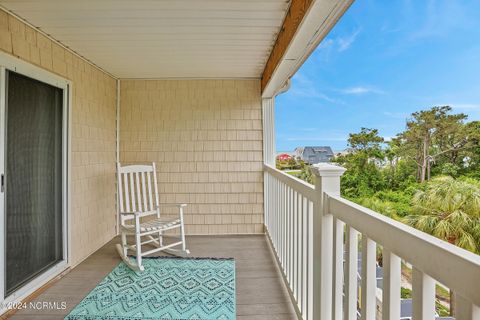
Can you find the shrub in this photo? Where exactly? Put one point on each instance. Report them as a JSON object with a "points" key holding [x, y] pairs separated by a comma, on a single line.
{"points": [[405, 293]]}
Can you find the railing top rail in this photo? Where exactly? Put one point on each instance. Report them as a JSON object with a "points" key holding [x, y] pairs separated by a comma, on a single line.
{"points": [[306, 189], [454, 267]]}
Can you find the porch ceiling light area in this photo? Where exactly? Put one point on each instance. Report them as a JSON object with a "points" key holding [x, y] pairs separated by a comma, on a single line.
{"points": [[167, 39]]}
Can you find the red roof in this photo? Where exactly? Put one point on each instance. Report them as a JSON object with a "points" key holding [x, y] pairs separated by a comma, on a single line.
{"points": [[284, 156]]}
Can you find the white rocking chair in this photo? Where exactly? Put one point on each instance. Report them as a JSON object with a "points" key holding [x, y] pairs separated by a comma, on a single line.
{"points": [[138, 198]]}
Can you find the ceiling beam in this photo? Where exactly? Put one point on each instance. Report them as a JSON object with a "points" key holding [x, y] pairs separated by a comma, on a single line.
{"points": [[293, 19]]}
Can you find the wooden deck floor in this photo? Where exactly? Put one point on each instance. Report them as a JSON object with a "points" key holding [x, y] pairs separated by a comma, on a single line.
{"points": [[261, 293]]}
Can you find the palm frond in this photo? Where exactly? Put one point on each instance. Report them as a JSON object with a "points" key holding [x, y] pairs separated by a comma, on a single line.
{"points": [[449, 209]]}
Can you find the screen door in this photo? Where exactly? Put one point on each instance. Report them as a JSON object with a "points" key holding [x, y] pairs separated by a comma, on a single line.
{"points": [[33, 181]]}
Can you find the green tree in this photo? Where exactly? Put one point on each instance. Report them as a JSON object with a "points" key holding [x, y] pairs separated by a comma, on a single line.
{"points": [[433, 134], [366, 146], [384, 207], [306, 173], [363, 177], [469, 162], [449, 209]]}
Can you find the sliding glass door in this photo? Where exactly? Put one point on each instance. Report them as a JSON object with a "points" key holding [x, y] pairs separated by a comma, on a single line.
{"points": [[33, 179], [33, 152]]}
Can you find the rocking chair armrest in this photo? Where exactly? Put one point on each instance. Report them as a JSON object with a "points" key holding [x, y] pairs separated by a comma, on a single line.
{"points": [[131, 213], [180, 207]]}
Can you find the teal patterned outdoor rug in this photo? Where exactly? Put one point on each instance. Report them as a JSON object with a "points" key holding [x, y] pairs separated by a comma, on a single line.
{"points": [[169, 288]]}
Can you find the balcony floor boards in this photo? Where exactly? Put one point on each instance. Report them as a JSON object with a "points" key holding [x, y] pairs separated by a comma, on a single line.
{"points": [[261, 293]]}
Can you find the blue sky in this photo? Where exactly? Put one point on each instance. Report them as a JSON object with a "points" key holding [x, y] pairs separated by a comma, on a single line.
{"points": [[381, 62]]}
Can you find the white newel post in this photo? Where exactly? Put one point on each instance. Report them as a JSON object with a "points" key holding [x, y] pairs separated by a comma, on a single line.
{"points": [[327, 179]]}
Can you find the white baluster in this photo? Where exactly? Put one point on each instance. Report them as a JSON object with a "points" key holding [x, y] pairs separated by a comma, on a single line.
{"points": [[338, 269], [464, 309], [298, 279], [369, 279], [423, 296], [310, 261], [351, 274], [295, 251], [304, 257], [391, 286]]}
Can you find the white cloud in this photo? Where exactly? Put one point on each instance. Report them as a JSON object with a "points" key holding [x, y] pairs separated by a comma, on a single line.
{"points": [[304, 87], [345, 42], [311, 93], [357, 90], [331, 46], [388, 29], [327, 43], [441, 18]]}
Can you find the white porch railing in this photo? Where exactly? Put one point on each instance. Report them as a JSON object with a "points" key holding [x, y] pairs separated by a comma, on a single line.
{"points": [[315, 234], [288, 217]]}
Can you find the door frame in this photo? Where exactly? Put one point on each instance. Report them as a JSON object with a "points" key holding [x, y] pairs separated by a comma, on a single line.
{"points": [[8, 62]]}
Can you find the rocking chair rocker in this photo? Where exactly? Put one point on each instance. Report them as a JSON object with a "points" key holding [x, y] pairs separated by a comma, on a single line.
{"points": [[138, 198]]}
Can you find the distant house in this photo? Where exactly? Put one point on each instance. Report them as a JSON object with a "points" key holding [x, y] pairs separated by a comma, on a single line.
{"points": [[313, 155], [284, 157]]}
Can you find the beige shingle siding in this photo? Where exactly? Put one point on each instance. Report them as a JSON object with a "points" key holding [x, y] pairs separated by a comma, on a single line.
{"points": [[93, 132], [206, 138]]}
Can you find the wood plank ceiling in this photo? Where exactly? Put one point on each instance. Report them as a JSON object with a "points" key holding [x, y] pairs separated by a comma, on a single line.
{"points": [[163, 38]]}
